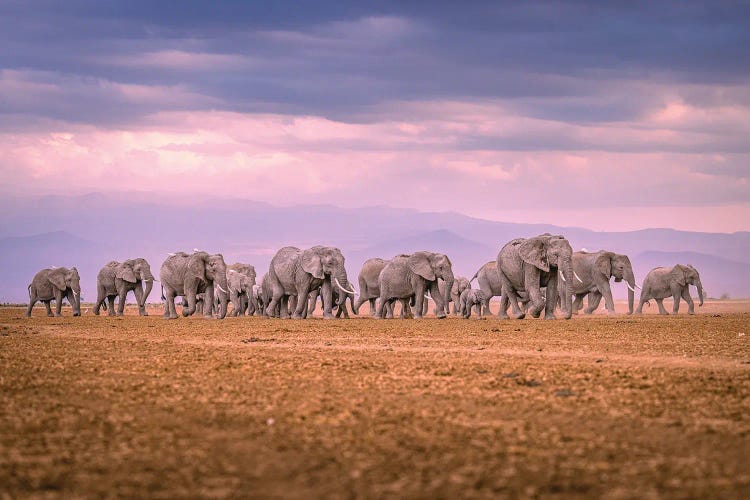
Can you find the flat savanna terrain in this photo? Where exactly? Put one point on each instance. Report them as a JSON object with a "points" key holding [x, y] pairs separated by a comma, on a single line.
{"points": [[626, 406]]}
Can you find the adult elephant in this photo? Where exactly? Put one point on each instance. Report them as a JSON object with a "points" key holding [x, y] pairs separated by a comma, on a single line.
{"points": [[240, 283], [187, 275], [55, 284], [411, 276], [592, 272], [294, 273], [663, 282], [116, 279], [527, 265]]}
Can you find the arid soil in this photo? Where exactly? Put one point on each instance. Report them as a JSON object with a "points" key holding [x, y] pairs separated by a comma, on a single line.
{"points": [[143, 407]]}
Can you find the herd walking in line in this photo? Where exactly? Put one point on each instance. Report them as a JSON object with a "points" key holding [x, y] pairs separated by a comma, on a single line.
{"points": [[530, 275]]}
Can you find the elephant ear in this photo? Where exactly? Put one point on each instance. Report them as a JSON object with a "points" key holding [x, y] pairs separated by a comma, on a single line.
{"points": [[419, 263], [57, 278], [604, 264], [125, 272], [197, 265], [679, 274], [311, 263], [532, 251]]}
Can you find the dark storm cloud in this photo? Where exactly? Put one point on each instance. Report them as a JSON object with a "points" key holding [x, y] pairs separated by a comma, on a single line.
{"points": [[554, 60]]}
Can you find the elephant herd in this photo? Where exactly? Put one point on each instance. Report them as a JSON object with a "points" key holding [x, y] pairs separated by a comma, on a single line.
{"points": [[530, 275]]}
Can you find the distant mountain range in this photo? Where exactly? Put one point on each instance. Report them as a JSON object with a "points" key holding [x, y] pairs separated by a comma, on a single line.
{"points": [[88, 231]]}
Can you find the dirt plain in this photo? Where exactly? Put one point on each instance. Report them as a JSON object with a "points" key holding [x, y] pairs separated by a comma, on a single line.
{"points": [[629, 407]]}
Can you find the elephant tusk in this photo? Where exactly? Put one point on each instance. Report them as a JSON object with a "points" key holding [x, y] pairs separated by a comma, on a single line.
{"points": [[426, 296], [577, 277], [562, 276], [630, 287], [636, 285], [219, 287], [344, 289]]}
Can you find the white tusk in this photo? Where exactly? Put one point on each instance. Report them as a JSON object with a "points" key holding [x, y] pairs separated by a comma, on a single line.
{"points": [[636, 285], [219, 287], [562, 276], [344, 289], [426, 296], [577, 277], [172, 254], [630, 287]]}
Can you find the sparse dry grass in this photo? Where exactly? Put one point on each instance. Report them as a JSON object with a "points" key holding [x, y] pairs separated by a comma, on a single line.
{"points": [[629, 406]]}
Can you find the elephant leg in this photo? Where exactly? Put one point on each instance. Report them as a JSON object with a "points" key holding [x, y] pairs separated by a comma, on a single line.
{"points": [[388, 310], [518, 312], [478, 308], [234, 298], [111, 305], [303, 292], [676, 294], [172, 308], [48, 307], [660, 303], [101, 295], [276, 294], [32, 300], [58, 302], [594, 300], [440, 307], [121, 301], [326, 295], [686, 296], [578, 302], [645, 297], [418, 302], [504, 303]]}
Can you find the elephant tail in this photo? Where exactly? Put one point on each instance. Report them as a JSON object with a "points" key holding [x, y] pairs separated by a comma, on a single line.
{"points": [[475, 275], [163, 298], [29, 289]]}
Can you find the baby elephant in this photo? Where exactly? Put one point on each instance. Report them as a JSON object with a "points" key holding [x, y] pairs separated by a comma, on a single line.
{"points": [[469, 298]]}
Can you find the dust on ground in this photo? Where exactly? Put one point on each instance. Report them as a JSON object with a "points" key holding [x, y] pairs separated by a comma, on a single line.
{"points": [[626, 406]]}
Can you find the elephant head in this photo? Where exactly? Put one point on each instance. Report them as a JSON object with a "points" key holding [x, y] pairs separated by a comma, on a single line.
{"points": [[210, 269], [551, 253], [688, 275], [68, 279], [431, 266], [459, 285], [615, 265], [133, 270], [328, 263]]}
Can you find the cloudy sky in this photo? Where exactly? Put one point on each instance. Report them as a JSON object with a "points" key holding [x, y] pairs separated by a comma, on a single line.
{"points": [[572, 113]]}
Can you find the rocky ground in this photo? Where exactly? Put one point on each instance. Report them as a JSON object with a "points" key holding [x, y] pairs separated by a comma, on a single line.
{"points": [[623, 406]]}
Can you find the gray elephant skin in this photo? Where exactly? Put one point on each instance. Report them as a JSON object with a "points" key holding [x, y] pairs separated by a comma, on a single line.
{"points": [[56, 284], [411, 277], [663, 282], [471, 298], [116, 279], [369, 288], [339, 305], [460, 283], [295, 273], [527, 265], [240, 283], [592, 272], [187, 275]]}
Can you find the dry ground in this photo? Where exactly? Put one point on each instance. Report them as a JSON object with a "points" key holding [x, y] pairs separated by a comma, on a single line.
{"points": [[625, 406]]}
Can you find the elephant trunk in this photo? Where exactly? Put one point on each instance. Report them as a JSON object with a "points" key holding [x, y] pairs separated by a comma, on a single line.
{"points": [[76, 302], [630, 278], [449, 279], [699, 286], [567, 271], [148, 279], [223, 303]]}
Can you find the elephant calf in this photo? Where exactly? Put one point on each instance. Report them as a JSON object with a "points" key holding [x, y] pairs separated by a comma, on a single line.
{"points": [[469, 298], [663, 282]]}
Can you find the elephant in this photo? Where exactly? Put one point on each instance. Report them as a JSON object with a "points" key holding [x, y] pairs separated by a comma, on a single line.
{"points": [[55, 284], [527, 265], [411, 276], [663, 282], [240, 282], [187, 275], [265, 293], [116, 279], [294, 273], [257, 298], [369, 288], [489, 283], [471, 297], [592, 272]]}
